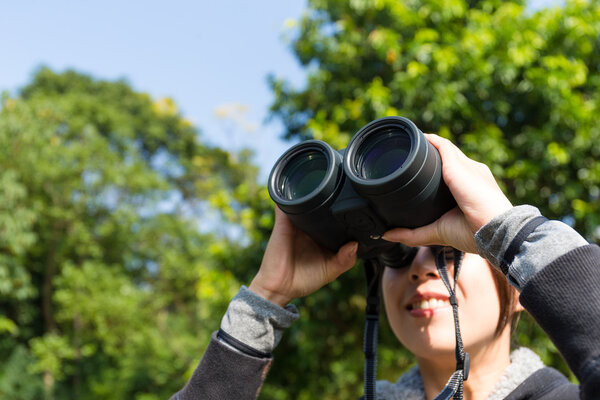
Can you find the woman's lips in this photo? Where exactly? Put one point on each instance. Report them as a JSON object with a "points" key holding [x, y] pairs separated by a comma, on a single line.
{"points": [[427, 304]]}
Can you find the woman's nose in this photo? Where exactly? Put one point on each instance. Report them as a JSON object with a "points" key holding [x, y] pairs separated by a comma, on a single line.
{"points": [[423, 266]]}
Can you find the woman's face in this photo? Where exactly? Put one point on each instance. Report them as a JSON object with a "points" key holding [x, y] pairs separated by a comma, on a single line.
{"points": [[417, 307]]}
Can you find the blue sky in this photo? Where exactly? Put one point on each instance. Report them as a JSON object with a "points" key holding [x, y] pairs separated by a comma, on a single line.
{"points": [[211, 57], [206, 55]]}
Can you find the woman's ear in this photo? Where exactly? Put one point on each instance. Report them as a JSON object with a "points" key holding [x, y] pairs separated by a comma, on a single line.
{"points": [[518, 307]]}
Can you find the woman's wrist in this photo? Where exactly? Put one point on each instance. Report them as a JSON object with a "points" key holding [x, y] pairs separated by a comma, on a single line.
{"points": [[257, 322], [272, 296]]}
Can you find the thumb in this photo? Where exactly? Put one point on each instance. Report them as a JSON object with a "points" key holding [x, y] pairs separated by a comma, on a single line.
{"points": [[344, 259], [451, 229], [423, 236]]}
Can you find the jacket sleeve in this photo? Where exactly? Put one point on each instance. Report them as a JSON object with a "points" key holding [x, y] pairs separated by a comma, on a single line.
{"points": [[558, 275], [225, 373], [238, 356], [564, 299]]}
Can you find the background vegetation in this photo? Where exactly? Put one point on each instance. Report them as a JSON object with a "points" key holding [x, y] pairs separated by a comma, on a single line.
{"points": [[123, 236]]}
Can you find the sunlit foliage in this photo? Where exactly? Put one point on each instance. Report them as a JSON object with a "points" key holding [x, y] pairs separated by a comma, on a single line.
{"points": [[117, 229], [516, 89]]}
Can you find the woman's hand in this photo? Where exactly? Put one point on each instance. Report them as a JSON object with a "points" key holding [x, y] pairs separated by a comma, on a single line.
{"points": [[478, 197], [295, 266]]}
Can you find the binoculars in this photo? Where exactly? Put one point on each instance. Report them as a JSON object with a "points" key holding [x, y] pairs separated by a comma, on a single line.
{"points": [[389, 176]]}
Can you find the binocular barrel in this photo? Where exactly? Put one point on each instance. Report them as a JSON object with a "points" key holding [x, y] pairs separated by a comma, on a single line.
{"points": [[388, 176]]}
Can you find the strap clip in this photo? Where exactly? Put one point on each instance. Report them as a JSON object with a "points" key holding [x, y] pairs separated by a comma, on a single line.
{"points": [[372, 309], [464, 366], [452, 299]]}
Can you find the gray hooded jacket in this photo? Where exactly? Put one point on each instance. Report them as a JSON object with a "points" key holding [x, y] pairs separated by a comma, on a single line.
{"points": [[556, 271]]}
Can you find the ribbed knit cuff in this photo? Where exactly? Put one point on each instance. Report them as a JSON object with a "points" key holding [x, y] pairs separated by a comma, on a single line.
{"points": [[546, 243], [257, 322]]}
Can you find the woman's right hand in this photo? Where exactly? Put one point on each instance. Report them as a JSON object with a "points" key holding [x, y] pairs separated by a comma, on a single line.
{"points": [[295, 266]]}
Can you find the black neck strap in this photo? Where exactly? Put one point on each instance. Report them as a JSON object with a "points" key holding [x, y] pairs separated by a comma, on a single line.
{"points": [[373, 273], [454, 386]]}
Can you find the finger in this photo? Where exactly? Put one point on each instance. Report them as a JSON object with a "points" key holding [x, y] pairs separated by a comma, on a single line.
{"points": [[444, 146], [283, 224], [280, 215], [454, 162], [423, 236]]}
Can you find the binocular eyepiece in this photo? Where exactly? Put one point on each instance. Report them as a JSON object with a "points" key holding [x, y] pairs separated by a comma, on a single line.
{"points": [[388, 176]]}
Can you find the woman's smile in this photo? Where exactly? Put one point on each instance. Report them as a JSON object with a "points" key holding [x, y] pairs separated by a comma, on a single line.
{"points": [[427, 304]]}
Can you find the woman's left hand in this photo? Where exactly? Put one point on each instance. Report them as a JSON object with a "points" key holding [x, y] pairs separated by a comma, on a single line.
{"points": [[295, 266], [477, 194]]}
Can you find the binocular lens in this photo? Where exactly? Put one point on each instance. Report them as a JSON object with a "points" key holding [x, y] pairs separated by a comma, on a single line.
{"points": [[382, 153], [302, 174]]}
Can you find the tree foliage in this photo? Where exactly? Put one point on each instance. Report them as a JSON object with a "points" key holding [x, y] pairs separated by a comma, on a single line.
{"points": [[516, 89], [112, 271], [123, 236]]}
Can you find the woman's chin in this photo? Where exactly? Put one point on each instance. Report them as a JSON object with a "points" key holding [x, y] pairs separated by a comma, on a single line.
{"points": [[429, 340]]}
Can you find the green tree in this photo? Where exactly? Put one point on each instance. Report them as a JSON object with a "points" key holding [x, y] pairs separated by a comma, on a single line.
{"points": [[516, 89], [112, 273]]}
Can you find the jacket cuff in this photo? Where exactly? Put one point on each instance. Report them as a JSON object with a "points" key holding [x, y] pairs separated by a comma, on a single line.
{"points": [[539, 248], [256, 322]]}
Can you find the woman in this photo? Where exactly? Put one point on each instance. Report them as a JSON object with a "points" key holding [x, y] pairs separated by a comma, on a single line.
{"points": [[556, 271]]}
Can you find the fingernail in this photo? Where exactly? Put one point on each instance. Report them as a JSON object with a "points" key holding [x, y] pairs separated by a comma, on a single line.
{"points": [[354, 248]]}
